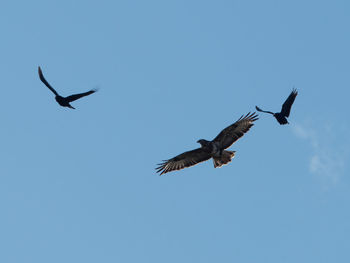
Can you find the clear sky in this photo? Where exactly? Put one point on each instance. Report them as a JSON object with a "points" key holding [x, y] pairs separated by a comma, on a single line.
{"points": [[80, 185]]}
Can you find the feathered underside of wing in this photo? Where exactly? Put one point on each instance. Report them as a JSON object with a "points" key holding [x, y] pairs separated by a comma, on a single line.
{"points": [[235, 131], [183, 160], [287, 105], [41, 76], [80, 95]]}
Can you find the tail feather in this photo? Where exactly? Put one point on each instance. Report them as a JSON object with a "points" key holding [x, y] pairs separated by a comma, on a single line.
{"points": [[225, 158]]}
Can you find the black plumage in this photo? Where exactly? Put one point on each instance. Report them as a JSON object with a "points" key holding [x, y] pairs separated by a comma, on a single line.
{"points": [[64, 101], [282, 116]]}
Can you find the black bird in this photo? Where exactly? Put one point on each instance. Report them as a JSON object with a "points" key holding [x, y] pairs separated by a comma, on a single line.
{"points": [[211, 149], [285, 111], [64, 101]]}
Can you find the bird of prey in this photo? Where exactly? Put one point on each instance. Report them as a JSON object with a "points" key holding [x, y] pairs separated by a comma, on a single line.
{"points": [[64, 101], [211, 149], [281, 117]]}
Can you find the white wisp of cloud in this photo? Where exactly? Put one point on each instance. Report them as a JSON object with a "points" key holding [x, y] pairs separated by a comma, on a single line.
{"points": [[327, 160]]}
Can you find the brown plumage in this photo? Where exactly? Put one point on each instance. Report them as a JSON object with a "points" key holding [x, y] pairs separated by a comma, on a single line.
{"points": [[211, 149]]}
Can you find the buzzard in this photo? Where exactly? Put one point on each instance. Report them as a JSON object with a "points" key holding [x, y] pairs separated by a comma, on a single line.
{"points": [[211, 149], [63, 101], [286, 107]]}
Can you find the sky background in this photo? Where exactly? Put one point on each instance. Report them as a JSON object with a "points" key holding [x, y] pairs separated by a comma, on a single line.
{"points": [[80, 185]]}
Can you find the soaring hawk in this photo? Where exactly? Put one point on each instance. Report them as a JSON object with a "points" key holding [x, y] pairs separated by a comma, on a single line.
{"points": [[211, 149]]}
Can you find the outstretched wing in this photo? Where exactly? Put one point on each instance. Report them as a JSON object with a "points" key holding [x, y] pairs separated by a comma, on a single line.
{"points": [[258, 109], [41, 76], [183, 160], [287, 105], [78, 96], [235, 131]]}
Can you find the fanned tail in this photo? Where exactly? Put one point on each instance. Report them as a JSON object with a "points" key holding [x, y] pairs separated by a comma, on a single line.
{"points": [[225, 158]]}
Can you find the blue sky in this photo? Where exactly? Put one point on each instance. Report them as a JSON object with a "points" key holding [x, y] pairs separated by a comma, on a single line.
{"points": [[80, 185]]}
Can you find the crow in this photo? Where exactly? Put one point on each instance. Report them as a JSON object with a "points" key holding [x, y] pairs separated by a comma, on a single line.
{"points": [[64, 101], [281, 117]]}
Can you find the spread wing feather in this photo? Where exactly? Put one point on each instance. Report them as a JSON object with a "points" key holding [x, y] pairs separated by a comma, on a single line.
{"points": [[78, 96], [41, 76], [183, 160], [287, 105], [235, 131]]}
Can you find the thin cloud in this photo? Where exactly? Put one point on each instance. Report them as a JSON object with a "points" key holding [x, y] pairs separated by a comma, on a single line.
{"points": [[327, 160]]}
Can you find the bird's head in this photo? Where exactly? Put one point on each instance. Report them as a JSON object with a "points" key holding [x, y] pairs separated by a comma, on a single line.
{"points": [[203, 142]]}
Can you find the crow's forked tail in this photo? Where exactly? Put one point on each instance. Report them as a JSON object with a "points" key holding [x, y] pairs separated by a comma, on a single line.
{"points": [[225, 158]]}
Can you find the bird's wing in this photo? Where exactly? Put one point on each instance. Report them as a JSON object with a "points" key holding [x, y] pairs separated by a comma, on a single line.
{"points": [[287, 105], [258, 109], [235, 131], [78, 96], [41, 76], [183, 160]]}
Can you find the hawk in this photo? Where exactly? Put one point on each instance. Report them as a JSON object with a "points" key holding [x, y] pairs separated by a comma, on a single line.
{"points": [[211, 149], [63, 101], [281, 117]]}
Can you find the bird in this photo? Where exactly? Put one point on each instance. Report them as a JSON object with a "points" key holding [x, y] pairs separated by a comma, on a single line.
{"points": [[64, 101], [211, 149], [281, 117]]}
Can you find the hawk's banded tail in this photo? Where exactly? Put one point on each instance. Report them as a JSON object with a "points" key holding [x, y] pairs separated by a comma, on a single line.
{"points": [[225, 158]]}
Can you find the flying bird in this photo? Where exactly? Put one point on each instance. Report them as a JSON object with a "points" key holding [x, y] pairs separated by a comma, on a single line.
{"points": [[64, 101], [281, 117], [211, 149]]}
